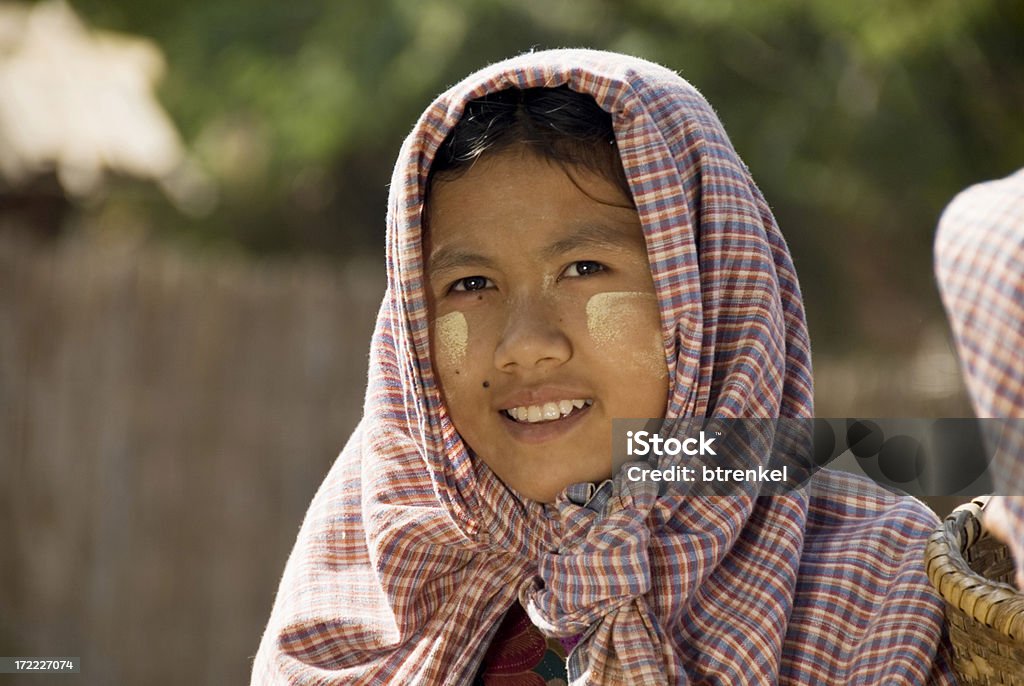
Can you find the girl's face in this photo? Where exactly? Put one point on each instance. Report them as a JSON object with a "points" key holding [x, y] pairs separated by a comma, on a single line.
{"points": [[544, 324]]}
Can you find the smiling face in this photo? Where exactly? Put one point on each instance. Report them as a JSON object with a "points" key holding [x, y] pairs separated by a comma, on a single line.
{"points": [[544, 323]]}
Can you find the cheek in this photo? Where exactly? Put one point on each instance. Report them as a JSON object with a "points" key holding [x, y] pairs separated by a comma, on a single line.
{"points": [[451, 337], [626, 325]]}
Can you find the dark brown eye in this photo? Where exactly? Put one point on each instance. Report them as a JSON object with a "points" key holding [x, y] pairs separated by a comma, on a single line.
{"points": [[471, 283], [583, 268]]}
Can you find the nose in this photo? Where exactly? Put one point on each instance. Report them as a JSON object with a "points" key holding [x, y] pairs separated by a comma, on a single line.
{"points": [[533, 337]]}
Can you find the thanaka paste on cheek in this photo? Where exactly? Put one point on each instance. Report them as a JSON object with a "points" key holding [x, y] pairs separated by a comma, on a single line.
{"points": [[452, 333], [653, 358], [608, 314], [616, 315]]}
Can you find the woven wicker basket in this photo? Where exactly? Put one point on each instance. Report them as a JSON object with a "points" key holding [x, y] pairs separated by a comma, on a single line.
{"points": [[973, 573]]}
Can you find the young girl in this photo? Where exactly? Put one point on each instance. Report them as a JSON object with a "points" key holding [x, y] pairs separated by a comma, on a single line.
{"points": [[571, 239]]}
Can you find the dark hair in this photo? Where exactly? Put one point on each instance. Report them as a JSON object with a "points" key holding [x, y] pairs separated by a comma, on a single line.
{"points": [[558, 124]]}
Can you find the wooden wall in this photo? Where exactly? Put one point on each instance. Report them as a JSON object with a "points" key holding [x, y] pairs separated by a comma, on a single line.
{"points": [[164, 423]]}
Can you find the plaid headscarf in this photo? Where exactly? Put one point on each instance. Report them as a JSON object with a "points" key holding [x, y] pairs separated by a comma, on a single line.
{"points": [[413, 550], [979, 265]]}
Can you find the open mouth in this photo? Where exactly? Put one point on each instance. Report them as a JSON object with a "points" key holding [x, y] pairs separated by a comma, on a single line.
{"points": [[548, 412]]}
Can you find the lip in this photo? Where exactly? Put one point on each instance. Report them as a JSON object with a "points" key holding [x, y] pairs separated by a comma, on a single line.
{"points": [[544, 431]]}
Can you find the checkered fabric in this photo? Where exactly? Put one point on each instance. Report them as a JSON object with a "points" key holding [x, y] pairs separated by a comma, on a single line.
{"points": [[412, 549], [979, 264]]}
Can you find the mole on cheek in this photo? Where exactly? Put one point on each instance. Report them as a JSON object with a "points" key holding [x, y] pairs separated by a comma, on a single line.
{"points": [[452, 333]]}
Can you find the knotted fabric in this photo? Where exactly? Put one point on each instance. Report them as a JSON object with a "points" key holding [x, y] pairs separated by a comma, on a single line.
{"points": [[413, 550]]}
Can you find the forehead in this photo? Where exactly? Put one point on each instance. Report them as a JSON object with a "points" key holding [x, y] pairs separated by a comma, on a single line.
{"points": [[518, 198]]}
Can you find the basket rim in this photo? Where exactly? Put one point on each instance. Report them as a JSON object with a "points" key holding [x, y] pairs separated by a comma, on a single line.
{"points": [[994, 604]]}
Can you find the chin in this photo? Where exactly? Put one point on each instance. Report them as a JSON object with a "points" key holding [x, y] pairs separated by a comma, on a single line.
{"points": [[538, 491], [546, 492], [534, 475], [543, 497]]}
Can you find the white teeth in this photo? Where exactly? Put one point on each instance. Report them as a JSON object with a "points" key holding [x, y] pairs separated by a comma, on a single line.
{"points": [[547, 412]]}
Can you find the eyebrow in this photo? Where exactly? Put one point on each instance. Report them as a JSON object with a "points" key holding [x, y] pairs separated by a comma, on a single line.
{"points": [[591, 236], [449, 258]]}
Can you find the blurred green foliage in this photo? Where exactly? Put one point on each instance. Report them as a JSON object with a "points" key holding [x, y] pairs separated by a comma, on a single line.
{"points": [[859, 120]]}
